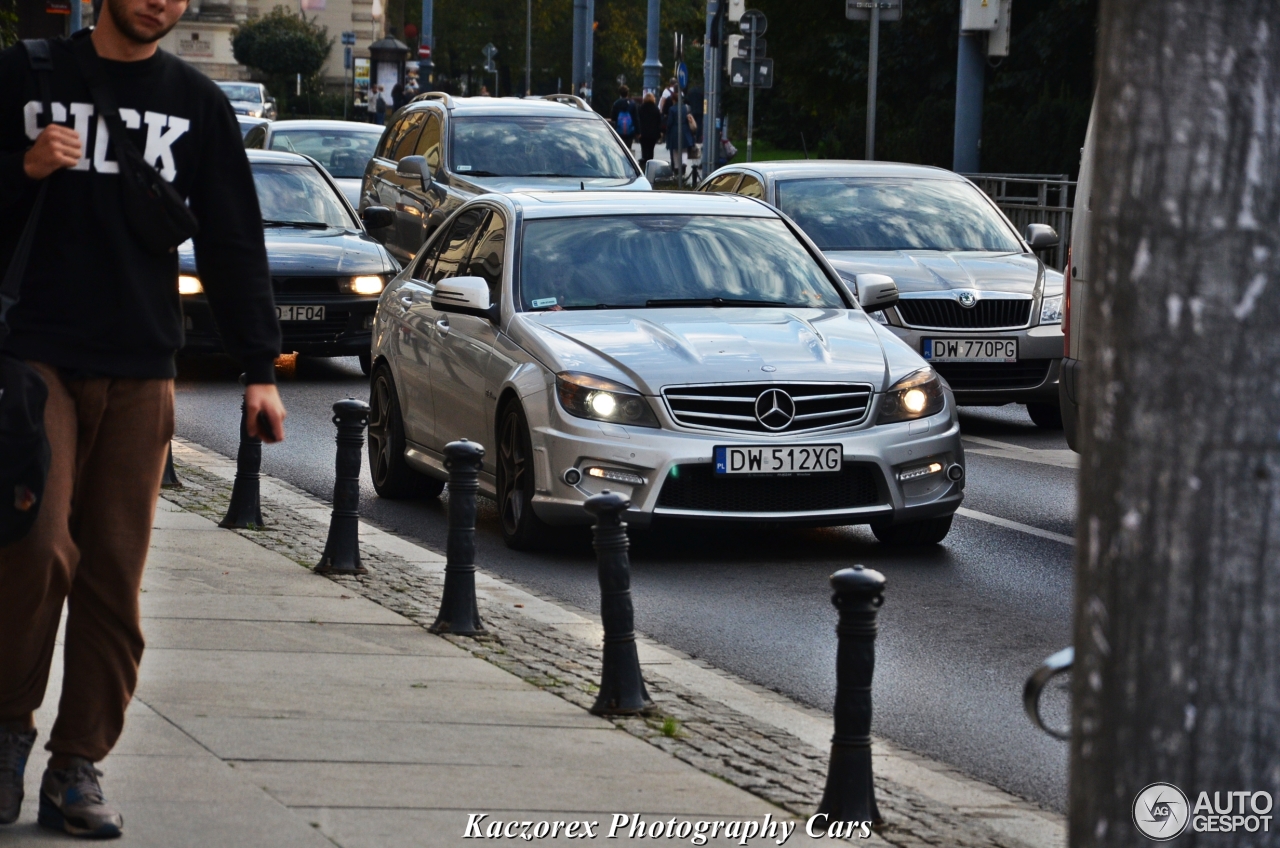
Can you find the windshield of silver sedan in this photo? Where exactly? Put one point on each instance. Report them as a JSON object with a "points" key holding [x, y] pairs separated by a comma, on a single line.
{"points": [[297, 196], [886, 214], [656, 261], [530, 146]]}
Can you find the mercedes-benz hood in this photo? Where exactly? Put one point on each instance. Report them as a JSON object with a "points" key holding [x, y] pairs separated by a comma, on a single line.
{"points": [[653, 348], [924, 271]]}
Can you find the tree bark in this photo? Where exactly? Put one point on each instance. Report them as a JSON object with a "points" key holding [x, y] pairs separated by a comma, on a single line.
{"points": [[1177, 676]]}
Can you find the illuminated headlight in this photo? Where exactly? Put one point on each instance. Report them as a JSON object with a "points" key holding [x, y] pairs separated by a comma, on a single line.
{"points": [[613, 475], [603, 400], [917, 395], [1051, 310], [369, 284], [188, 284]]}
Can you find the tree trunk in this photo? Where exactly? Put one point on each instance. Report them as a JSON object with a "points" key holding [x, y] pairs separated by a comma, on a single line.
{"points": [[1177, 672]]}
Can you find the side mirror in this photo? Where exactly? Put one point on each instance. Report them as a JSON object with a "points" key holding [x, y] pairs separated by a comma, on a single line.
{"points": [[414, 166], [659, 174], [464, 295], [1041, 236], [876, 292], [377, 217]]}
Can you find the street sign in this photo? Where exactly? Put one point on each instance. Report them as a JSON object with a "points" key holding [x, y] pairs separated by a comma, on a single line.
{"points": [[740, 73], [682, 75], [753, 20], [346, 58], [744, 47], [489, 51], [860, 10], [424, 51], [349, 38]]}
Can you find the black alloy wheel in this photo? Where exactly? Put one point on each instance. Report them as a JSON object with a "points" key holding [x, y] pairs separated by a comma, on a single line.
{"points": [[931, 531], [1046, 416], [521, 528], [392, 477]]}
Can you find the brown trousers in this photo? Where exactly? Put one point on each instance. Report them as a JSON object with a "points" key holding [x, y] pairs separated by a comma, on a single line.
{"points": [[88, 547]]}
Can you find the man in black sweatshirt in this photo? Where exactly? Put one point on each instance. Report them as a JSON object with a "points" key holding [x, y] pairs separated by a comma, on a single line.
{"points": [[100, 319]]}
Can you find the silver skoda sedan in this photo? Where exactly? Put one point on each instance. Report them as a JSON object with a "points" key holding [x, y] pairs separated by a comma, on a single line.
{"points": [[694, 352]]}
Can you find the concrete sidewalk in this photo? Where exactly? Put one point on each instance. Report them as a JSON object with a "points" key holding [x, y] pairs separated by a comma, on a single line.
{"points": [[278, 708]]}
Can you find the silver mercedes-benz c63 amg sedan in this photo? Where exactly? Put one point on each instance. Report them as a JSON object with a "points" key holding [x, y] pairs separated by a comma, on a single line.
{"points": [[694, 352]]}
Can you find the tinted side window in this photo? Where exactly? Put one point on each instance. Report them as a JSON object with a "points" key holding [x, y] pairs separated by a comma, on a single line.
{"points": [[724, 182], [255, 138], [456, 244], [425, 259], [751, 187], [487, 255], [429, 141], [407, 136]]}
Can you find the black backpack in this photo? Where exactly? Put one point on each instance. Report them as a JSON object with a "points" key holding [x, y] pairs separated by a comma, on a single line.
{"points": [[24, 446]]}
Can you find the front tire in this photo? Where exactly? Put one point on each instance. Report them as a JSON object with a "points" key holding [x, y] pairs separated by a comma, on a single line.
{"points": [[522, 530], [1046, 416], [931, 531], [392, 477]]}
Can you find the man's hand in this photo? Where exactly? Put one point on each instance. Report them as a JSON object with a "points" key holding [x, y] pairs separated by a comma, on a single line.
{"points": [[57, 147], [263, 399]]}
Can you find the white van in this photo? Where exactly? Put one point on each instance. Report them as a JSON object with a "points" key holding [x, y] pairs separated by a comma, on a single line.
{"points": [[1078, 274]]}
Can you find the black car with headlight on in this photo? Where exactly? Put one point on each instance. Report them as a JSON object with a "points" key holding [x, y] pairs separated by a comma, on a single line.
{"points": [[326, 271]]}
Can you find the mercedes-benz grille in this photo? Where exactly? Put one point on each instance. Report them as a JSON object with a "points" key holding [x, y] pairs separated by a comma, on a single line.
{"points": [[943, 313], [769, 407]]}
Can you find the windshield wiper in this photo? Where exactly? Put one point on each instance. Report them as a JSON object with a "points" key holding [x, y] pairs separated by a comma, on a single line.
{"points": [[306, 225], [479, 174], [603, 306], [710, 301]]}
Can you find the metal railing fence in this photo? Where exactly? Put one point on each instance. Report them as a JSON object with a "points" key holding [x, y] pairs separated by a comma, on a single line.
{"points": [[1034, 199]]}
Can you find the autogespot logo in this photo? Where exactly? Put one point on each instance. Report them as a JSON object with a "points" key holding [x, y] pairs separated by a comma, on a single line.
{"points": [[1160, 812]]}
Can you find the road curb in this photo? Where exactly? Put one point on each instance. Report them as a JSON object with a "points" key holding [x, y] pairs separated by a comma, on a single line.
{"points": [[747, 735]]}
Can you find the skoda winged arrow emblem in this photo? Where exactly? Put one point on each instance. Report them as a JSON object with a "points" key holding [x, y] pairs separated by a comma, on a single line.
{"points": [[967, 299], [775, 409]]}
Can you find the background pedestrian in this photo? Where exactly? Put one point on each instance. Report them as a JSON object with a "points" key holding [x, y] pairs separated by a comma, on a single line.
{"points": [[650, 127], [625, 116], [678, 115]]}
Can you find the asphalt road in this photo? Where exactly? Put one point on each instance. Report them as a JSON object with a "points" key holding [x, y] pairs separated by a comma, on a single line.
{"points": [[962, 625]]}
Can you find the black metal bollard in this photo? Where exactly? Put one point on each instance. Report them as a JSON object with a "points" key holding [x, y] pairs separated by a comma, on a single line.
{"points": [[849, 795], [459, 613], [170, 478], [244, 511], [622, 690], [342, 548]]}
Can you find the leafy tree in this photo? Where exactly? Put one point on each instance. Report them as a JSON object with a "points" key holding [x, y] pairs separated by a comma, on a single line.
{"points": [[8, 23], [281, 45]]}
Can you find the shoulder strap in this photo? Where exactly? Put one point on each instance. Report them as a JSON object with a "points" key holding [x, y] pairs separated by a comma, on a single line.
{"points": [[41, 62]]}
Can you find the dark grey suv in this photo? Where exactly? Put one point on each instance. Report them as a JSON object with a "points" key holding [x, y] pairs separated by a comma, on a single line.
{"points": [[440, 151]]}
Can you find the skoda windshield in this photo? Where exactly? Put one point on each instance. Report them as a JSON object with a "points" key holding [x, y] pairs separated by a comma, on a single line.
{"points": [[515, 146], [847, 213], [663, 261]]}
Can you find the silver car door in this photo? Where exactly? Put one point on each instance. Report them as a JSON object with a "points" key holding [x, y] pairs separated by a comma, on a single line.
{"points": [[412, 347], [455, 247]]}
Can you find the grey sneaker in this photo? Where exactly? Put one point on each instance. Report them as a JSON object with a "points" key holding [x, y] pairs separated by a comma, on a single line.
{"points": [[71, 800], [15, 747]]}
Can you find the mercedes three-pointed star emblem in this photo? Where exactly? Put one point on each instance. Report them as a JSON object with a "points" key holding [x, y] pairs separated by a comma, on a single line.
{"points": [[775, 409]]}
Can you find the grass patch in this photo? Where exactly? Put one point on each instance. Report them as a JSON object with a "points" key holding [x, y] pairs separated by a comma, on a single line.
{"points": [[763, 151], [670, 727]]}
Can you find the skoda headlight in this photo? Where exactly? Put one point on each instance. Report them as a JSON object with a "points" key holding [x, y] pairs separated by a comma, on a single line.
{"points": [[188, 284], [1051, 310], [592, 397], [917, 395]]}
